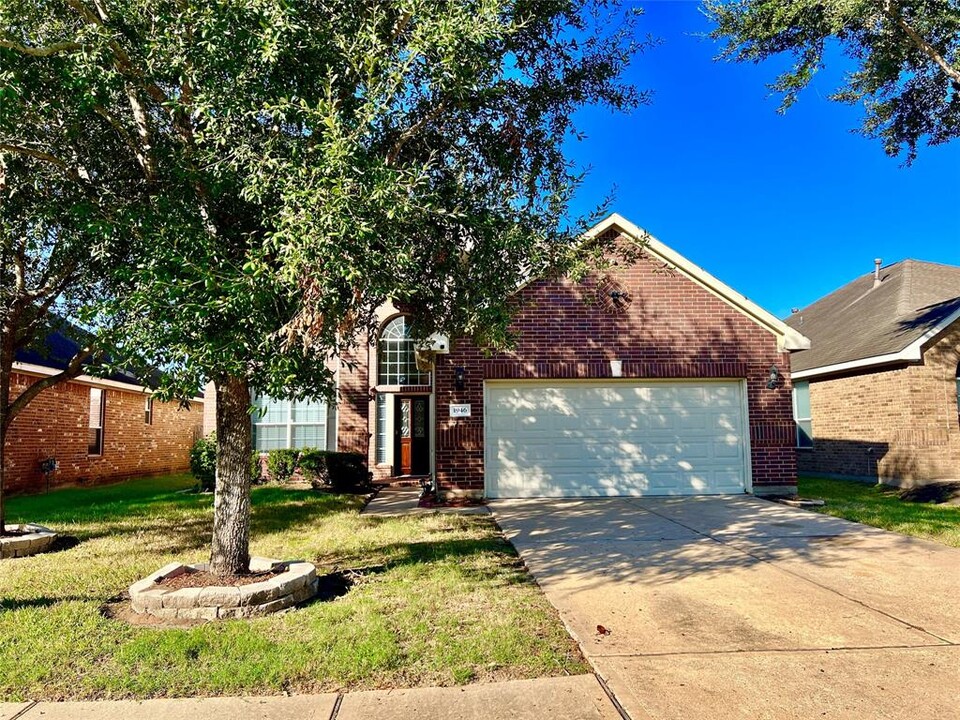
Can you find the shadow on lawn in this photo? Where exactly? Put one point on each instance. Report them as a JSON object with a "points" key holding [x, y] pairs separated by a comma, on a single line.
{"points": [[166, 519], [487, 559]]}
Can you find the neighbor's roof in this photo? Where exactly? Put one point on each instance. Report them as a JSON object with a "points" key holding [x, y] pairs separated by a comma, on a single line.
{"points": [[53, 352], [861, 326], [788, 338]]}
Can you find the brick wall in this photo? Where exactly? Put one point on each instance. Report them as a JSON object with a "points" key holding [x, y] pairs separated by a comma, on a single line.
{"points": [[55, 424], [898, 425], [672, 328]]}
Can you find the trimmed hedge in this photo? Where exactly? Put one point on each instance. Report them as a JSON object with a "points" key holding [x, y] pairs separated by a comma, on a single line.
{"points": [[335, 470], [323, 469], [282, 464], [203, 463]]}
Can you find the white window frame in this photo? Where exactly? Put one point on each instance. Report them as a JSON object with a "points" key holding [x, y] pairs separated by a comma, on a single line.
{"points": [[289, 423], [148, 410], [97, 422], [797, 419]]}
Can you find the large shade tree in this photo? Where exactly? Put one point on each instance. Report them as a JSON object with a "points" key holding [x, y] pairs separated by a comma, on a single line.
{"points": [[906, 57], [283, 167]]}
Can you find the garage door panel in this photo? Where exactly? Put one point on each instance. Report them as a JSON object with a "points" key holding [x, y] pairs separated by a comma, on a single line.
{"points": [[591, 439]]}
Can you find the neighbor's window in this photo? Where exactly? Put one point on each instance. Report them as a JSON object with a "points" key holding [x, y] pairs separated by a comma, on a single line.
{"points": [[396, 356], [958, 393], [289, 423], [97, 407], [801, 414], [148, 410]]}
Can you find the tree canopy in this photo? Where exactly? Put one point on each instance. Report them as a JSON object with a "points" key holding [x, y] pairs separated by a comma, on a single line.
{"points": [[906, 52], [283, 167]]}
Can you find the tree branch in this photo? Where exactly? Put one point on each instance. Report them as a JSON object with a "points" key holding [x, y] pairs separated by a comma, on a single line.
{"points": [[893, 12], [73, 369], [43, 51], [71, 173]]}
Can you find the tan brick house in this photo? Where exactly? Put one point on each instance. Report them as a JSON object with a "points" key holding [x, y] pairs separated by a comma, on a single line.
{"points": [[96, 430], [654, 378], [876, 395]]}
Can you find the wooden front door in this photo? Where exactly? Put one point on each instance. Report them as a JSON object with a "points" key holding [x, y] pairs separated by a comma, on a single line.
{"points": [[411, 437]]}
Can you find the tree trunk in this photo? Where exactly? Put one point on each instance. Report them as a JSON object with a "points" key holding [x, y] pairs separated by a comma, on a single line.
{"points": [[230, 553]]}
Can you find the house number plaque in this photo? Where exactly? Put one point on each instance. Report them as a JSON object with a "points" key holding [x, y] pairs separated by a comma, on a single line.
{"points": [[459, 411]]}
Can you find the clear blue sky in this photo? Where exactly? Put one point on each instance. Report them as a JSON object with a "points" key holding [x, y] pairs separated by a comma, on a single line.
{"points": [[784, 208]]}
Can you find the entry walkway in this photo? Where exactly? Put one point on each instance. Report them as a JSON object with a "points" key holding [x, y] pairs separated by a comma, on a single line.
{"points": [[394, 502]]}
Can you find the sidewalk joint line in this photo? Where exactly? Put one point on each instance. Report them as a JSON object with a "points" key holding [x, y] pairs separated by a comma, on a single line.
{"points": [[336, 706], [613, 698], [682, 653], [28, 708]]}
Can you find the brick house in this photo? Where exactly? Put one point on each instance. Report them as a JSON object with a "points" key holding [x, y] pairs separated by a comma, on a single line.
{"points": [[876, 395], [653, 378], [97, 430]]}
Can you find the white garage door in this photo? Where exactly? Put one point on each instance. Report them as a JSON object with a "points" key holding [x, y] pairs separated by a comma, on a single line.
{"points": [[606, 438]]}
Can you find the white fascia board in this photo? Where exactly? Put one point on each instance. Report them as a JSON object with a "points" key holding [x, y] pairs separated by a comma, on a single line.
{"points": [[43, 371], [912, 353], [788, 338]]}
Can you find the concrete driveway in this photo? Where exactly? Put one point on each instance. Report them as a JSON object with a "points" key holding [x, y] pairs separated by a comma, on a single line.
{"points": [[734, 607]]}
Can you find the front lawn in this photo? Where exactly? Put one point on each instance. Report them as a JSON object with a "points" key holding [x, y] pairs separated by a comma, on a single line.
{"points": [[881, 506], [440, 600]]}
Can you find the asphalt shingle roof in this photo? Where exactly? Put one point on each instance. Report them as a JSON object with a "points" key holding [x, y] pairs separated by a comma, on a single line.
{"points": [[860, 321]]}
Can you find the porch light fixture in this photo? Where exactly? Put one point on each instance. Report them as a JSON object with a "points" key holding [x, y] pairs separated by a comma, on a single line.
{"points": [[774, 378], [459, 378]]}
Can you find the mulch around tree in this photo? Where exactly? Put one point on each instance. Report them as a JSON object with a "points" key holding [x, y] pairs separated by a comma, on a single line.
{"points": [[202, 578]]}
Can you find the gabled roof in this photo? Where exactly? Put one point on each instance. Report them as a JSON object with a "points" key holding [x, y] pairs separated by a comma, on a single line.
{"points": [[788, 338], [866, 324]]}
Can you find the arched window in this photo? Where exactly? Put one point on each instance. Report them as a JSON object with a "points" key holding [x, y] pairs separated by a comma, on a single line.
{"points": [[396, 357]]}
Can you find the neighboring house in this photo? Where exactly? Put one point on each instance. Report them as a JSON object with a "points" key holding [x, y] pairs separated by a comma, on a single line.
{"points": [[652, 379], [96, 430], [876, 395]]}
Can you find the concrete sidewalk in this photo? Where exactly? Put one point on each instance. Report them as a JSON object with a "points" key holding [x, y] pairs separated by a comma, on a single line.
{"points": [[578, 697]]}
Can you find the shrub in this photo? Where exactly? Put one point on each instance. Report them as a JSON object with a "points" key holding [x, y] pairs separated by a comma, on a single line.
{"points": [[203, 461], [282, 464], [334, 470], [256, 467]]}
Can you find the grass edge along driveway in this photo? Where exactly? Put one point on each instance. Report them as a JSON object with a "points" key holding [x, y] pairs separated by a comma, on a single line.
{"points": [[881, 506], [439, 600]]}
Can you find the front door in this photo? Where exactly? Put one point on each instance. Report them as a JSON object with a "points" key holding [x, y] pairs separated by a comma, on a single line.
{"points": [[411, 440]]}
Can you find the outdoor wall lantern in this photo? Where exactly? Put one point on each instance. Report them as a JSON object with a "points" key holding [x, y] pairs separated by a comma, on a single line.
{"points": [[618, 296], [774, 378], [459, 378]]}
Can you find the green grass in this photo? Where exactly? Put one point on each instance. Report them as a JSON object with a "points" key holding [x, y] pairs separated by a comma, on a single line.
{"points": [[445, 601], [880, 506]]}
